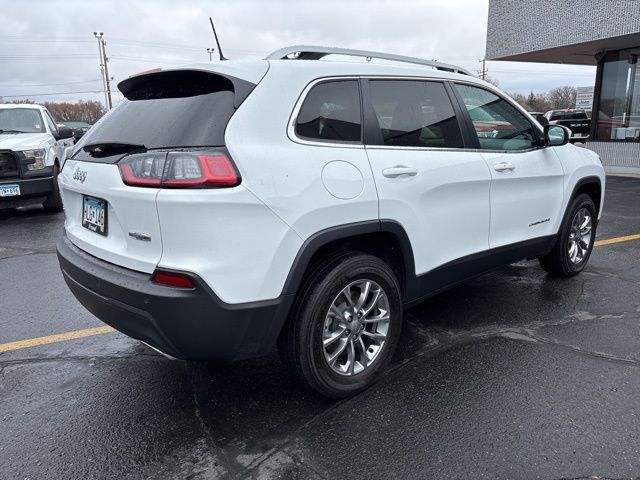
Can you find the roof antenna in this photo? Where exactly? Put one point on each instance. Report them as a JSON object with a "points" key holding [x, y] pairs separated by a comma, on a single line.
{"points": [[217, 42]]}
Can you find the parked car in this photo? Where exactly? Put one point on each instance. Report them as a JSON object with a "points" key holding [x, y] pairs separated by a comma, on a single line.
{"points": [[575, 120], [31, 149], [79, 128], [539, 116], [225, 208]]}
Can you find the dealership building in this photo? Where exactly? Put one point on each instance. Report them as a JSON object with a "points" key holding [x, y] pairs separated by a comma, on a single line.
{"points": [[605, 33]]}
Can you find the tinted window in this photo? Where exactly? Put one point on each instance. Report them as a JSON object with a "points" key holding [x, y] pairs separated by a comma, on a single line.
{"points": [[414, 114], [331, 112], [498, 124], [179, 109]]}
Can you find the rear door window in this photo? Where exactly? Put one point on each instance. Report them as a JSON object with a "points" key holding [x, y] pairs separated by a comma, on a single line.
{"points": [[331, 113], [414, 113]]}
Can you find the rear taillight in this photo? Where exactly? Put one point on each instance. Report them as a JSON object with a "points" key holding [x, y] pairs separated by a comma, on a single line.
{"points": [[179, 170], [173, 279]]}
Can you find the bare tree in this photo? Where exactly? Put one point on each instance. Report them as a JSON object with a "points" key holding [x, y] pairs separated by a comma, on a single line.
{"points": [[492, 80], [88, 111], [562, 97], [538, 102], [84, 110], [519, 98]]}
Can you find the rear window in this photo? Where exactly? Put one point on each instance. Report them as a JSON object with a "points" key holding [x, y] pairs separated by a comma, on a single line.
{"points": [[579, 115], [331, 113], [170, 110]]}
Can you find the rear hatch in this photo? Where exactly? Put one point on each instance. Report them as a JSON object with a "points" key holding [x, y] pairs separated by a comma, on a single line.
{"points": [[113, 216]]}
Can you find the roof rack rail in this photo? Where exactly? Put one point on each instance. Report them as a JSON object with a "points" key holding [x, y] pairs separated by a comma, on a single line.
{"points": [[313, 52]]}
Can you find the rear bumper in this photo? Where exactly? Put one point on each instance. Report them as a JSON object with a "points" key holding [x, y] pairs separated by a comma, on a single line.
{"points": [[30, 189], [191, 324]]}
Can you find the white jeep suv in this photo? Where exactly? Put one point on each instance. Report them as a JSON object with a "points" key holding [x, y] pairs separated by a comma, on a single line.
{"points": [[223, 209]]}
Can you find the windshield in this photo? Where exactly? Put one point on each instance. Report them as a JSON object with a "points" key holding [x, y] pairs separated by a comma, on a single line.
{"points": [[22, 120]]}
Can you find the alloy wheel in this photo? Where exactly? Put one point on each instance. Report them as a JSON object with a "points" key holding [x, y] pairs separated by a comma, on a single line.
{"points": [[579, 236], [356, 327]]}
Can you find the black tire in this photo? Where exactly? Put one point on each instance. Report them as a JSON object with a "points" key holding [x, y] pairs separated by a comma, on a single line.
{"points": [[558, 262], [300, 343], [53, 203]]}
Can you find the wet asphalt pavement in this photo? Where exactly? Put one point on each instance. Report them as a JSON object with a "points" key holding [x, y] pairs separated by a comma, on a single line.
{"points": [[511, 375]]}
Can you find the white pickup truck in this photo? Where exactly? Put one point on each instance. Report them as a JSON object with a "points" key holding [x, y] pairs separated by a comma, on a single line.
{"points": [[31, 151]]}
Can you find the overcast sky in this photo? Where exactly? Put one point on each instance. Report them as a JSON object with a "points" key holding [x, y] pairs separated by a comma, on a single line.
{"points": [[47, 47]]}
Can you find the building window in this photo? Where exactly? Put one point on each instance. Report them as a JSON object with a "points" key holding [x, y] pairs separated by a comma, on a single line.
{"points": [[618, 116]]}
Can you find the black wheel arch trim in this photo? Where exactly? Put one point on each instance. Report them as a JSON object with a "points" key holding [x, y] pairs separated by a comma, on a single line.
{"points": [[586, 181], [339, 232], [417, 287]]}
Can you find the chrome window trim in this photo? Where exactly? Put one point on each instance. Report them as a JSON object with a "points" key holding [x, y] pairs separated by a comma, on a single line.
{"points": [[291, 134], [291, 126], [444, 149]]}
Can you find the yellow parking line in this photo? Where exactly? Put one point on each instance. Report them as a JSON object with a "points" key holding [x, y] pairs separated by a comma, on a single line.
{"points": [[609, 241], [60, 337], [88, 332]]}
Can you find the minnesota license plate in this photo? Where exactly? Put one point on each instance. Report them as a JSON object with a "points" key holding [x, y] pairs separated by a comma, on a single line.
{"points": [[94, 214], [9, 190]]}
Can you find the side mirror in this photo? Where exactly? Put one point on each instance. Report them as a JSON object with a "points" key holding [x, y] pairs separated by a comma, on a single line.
{"points": [[63, 133], [556, 135]]}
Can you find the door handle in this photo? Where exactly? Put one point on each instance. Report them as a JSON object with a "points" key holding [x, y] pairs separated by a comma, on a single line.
{"points": [[399, 170], [503, 167]]}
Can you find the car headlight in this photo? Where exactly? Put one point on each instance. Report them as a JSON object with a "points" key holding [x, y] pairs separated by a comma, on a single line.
{"points": [[38, 157]]}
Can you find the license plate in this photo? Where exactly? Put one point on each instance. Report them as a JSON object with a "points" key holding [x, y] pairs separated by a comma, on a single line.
{"points": [[9, 190], [94, 214]]}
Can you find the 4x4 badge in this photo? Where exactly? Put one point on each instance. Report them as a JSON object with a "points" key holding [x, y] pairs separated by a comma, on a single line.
{"points": [[80, 175]]}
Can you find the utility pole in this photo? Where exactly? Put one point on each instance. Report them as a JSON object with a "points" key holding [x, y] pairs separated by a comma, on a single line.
{"points": [[210, 51], [104, 85], [106, 72], [483, 72], [104, 69]]}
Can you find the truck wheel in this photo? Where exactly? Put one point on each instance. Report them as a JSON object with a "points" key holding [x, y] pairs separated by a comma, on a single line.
{"points": [[575, 239], [53, 203], [344, 326]]}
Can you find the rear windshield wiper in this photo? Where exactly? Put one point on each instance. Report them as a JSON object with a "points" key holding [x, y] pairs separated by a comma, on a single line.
{"points": [[112, 148]]}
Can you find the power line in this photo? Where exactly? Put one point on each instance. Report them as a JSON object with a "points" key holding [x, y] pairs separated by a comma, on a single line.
{"points": [[49, 94], [149, 59], [4, 85], [45, 57], [534, 72]]}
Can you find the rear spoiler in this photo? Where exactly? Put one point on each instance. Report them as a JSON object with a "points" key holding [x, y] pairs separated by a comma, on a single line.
{"points": [[155, 84]]}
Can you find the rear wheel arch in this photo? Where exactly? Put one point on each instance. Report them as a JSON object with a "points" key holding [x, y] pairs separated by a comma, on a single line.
{"points": [[385, 239]]}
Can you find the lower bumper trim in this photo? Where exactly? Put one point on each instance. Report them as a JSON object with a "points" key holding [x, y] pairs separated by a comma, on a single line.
{"points": [[190, 324]]}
